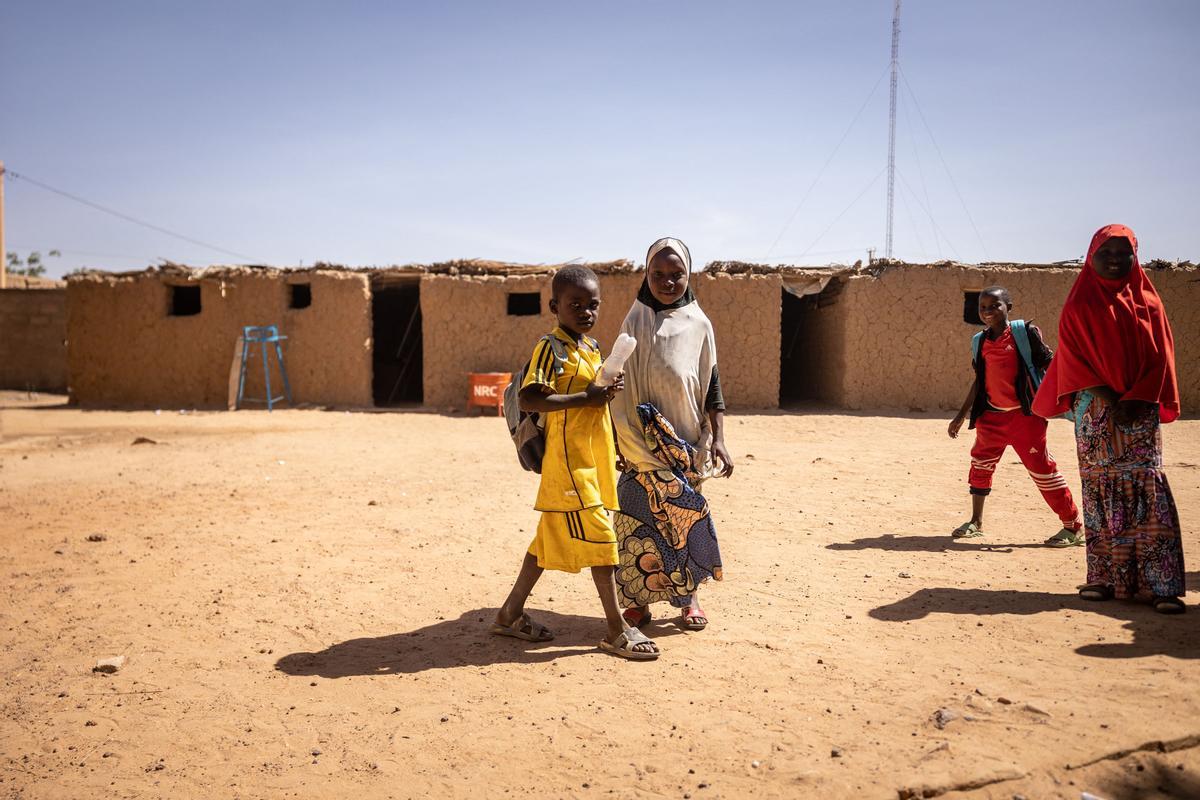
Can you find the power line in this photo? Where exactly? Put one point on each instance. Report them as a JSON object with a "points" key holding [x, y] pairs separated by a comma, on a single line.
{"points": [[844, 210], [127, 217], [913, 221], [813, 185], [936, 228], [912, 141], [821, 252], [945, 166]]}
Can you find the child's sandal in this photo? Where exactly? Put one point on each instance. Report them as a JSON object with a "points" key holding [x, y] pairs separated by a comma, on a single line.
{"points": [[1096, 592], [637, 616], [625, 643], [968, 530], [1067, 538], [693, 618], [1168, 605], [525, 629]]}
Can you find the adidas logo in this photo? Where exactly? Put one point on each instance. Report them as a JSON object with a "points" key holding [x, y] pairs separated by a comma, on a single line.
{"points": [[1033, 450]]}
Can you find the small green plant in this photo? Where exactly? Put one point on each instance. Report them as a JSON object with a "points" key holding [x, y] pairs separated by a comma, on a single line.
{"points": [[31, 265]]}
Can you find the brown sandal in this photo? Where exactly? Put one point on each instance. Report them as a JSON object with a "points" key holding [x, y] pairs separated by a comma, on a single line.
{"points": [[1096, 592], [524, 628], [1168, 605]]}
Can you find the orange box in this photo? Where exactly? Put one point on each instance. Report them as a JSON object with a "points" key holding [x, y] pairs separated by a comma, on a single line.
{"points": [[486, 389]]}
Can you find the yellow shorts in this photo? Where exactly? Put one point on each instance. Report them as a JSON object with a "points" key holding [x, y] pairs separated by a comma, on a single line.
{"points": [[569, 541]]}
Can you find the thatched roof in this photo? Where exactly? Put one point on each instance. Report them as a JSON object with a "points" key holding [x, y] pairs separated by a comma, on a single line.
{"points": [[479, 266], [472, 266]]}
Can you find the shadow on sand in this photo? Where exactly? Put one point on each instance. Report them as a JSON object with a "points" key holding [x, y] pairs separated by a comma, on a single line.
{"points": [[459, 642], [930, 544], [1153, 634]]}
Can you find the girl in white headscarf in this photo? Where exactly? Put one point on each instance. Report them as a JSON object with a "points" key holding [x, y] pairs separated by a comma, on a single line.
{"points": [[670, 432]]}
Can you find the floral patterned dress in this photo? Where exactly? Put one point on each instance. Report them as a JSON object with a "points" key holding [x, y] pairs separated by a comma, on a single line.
{"points": [[668, 545], [1133, 535]]}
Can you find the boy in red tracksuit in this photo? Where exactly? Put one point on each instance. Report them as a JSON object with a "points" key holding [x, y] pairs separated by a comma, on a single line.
{"points": [[999, 407]]}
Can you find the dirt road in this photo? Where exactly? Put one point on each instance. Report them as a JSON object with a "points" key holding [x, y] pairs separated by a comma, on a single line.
{"points": [[303, 599]]}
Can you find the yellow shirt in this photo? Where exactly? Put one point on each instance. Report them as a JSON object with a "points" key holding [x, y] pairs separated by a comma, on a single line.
{"points": [[579, 469]]}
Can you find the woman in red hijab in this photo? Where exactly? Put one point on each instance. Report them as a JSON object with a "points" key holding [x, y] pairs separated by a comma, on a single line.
{"points": [[1115, 367]]}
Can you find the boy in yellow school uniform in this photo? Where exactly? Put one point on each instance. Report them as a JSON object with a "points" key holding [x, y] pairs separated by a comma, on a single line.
{"points": [[578, 490]]}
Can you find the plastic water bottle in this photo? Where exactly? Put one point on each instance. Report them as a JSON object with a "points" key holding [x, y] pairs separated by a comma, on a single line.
{"points": [[615, 362]]}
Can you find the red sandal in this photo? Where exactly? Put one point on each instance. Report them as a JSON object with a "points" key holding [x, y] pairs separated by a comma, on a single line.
{"points": [[693, 618], [637, 616]]}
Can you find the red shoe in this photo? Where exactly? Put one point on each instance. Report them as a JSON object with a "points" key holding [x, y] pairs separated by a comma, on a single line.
{"points": [[637, 616]]}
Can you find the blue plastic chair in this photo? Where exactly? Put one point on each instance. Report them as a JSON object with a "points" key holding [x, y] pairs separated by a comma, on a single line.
{"points": [[263, 335]]}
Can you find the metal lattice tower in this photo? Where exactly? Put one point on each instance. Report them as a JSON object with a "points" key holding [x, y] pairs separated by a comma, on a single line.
{"points": [[892, 128]]}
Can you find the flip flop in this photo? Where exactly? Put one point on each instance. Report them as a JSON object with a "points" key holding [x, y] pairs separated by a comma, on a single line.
{"points": [[623, 646], [968, 530], [1067, 538], [524, 628], [1168, 605], [637, 617]]}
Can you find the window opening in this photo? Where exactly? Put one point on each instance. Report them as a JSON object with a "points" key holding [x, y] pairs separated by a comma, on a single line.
{"points": [[524, 304], [185, 301], [971, 308], [301, 295]]}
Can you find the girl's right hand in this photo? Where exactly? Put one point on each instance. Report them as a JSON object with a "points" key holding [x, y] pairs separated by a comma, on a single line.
{"points": [[955, 426]]}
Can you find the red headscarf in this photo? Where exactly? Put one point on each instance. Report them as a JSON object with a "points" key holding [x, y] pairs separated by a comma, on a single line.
{"points": [[1112, 333]]}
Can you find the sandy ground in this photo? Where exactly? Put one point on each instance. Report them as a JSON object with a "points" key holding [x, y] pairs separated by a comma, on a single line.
{"points": [[303, 597]]}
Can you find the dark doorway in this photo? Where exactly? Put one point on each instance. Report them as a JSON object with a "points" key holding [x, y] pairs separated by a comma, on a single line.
{"points": [[797, 382], [396, 326], [810, 338]]}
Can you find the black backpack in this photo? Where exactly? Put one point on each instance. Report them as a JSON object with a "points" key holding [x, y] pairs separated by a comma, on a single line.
{"points": [[528, 428]]}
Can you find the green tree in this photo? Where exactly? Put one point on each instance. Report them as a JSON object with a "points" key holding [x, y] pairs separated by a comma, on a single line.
{"points": [[31, 265]]}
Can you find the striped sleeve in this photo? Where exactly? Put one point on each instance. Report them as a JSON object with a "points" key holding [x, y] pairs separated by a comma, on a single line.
{"points": [[541, 370]]}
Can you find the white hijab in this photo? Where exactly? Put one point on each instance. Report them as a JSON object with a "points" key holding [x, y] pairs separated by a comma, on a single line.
{"points": [[671, 367]]}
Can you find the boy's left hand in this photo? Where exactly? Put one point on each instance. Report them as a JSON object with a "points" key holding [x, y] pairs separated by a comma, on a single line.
{"points": [[722, 459]]}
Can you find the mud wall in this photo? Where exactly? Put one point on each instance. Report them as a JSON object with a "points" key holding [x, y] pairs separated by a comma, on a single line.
{"points": [[467, 328], [126, 350], [745, 311], [1180, 290], [907, 347], [33, 339]]}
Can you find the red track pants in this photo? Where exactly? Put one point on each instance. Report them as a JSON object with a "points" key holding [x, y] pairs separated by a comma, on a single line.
{"points": [[996, 430]]}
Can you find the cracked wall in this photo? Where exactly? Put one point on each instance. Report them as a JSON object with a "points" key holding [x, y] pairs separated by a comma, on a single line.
{"points": [[467, 328], [33, 339], [126, 350], [907, 347]]}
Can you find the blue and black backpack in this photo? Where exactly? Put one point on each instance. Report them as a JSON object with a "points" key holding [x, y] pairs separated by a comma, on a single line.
{"points": [[1024, 347]]}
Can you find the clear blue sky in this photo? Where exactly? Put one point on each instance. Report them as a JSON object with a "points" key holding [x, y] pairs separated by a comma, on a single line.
{"points": [[379, 133]]}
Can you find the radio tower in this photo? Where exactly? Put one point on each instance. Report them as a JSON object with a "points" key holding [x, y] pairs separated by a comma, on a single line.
{"points": [[887, 251]]}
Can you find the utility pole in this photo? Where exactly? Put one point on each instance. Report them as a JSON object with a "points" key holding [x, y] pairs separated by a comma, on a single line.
{"points": [[892, 128], [3, 253]]}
